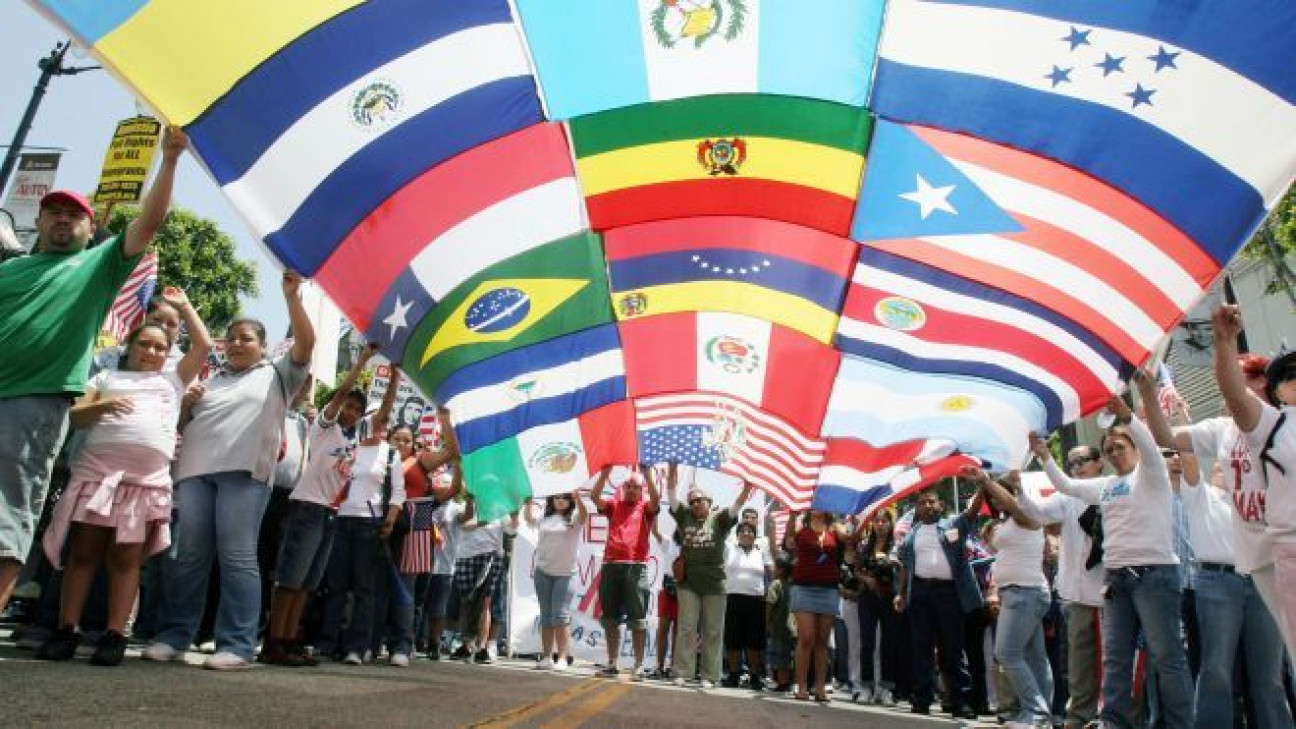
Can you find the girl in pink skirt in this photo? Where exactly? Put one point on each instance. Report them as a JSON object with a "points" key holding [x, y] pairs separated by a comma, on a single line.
{"points": [[117, 506]]}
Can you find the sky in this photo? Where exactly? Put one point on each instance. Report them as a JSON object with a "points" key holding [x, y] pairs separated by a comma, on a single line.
{"points": [[80, 112]]}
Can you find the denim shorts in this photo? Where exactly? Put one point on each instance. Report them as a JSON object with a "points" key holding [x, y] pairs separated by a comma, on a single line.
{"points": [[554, 595], [31, 433], [307, 542], [817, 600]]}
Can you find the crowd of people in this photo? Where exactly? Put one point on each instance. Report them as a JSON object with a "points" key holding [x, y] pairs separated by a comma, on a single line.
{"points": [[224, 509]]}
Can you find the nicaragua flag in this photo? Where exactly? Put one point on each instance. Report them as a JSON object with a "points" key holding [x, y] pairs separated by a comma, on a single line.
{"points": [[883, 405], [1186, 106], [544, 383], [777, 369], [784, 273], [594, 55], [549, 459], [856, 475]]}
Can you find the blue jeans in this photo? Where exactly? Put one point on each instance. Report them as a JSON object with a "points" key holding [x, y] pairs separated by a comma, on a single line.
{"points": [[1149, 597], [1229, 608], [554, 595], [218, 516], [1019, 647]]}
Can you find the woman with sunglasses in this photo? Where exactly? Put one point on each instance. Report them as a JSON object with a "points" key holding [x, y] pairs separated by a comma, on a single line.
{"points": [[1141, 587], [557, 539]]}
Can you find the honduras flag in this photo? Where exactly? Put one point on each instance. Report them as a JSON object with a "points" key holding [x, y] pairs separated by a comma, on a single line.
{"points": [[1185, 106]]}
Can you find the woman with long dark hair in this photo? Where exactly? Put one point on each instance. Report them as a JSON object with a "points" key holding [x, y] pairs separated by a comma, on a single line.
{"points": [[816, 570], [557, 539], [875, 566]]}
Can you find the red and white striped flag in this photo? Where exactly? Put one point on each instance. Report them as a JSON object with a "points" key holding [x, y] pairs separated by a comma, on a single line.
{"points": [[416, 552], [132, 302], [722, 433]]}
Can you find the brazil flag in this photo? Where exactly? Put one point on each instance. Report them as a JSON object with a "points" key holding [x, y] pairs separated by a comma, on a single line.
{"points": [[556, 289]]}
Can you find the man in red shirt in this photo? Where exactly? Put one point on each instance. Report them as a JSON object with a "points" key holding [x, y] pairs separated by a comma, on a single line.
{"points": [[623, 585]]}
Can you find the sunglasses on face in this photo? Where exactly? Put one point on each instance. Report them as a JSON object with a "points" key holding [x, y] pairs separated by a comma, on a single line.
{"points": [[1168, 453], [698, 500], [1077, 462]]}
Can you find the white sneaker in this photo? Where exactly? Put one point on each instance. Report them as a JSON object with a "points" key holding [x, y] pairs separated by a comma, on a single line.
{"points": [[560, 665], [544, 664], [637, 673], [208, 647], [399, 660], [353, 659], [706, 685], [226, 661], [162, 653], [679, 681], [883, 697]]}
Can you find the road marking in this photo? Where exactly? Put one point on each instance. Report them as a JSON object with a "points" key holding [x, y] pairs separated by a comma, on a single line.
{"points": [[588, 709], [518, 714]]}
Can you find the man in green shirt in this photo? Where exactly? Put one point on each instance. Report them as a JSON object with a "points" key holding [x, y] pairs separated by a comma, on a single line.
{"points": [[52, 305]]}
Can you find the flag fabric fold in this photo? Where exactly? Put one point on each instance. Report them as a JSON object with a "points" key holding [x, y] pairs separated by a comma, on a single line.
{"points": [[857, 476]]}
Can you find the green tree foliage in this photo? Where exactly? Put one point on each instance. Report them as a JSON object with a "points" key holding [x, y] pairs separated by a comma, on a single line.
{"points": [[1274, 244], [197, 256]]}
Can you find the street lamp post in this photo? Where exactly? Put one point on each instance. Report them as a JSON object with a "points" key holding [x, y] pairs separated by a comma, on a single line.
{"points": [[50, 66]]}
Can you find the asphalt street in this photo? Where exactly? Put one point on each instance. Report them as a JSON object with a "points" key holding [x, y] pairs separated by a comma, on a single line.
{"points": [[442, 694]]}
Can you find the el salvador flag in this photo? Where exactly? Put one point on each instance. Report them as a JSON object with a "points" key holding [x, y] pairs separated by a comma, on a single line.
{"points": [[1186, 106]]}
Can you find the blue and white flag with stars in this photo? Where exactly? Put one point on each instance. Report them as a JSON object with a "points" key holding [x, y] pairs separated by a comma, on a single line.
{"points": [[1186, 106]]}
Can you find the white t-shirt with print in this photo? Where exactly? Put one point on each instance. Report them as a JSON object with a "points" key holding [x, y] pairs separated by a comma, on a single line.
{"points": [[331, 456], [152, 420], [1138, 516], [1218, 440], [1281, 494], [367, 474]]}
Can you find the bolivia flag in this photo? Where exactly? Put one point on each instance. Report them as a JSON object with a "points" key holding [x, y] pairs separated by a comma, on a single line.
{"points": [[544, 293], [777, 369], [783, 273], [759, 156], [549, 459]]}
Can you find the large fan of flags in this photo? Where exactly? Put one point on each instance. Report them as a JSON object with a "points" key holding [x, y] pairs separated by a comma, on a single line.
{"points": [[837, 248]]}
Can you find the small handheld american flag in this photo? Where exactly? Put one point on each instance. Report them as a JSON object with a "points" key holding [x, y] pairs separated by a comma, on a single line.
{"points": [[128, 310], [416, 554]]}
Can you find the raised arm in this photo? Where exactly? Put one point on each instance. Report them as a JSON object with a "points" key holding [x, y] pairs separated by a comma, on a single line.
{"points": [[381, 418], [743, 495], [654, 496], [157, 201], [448, 436], [1087, 490], [1244, 406], [1001, 497], [339, 396], [302, 330], [605, 476], [582, 513], [1145, 383], [200, 341]]}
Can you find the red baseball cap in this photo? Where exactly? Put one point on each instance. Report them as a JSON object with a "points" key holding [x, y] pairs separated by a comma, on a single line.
{"points": [[72, 198]]}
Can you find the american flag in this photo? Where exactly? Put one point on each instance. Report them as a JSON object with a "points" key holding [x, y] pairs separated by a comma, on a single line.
{"points": [[128, 310], [725, 434], [416, 554]]}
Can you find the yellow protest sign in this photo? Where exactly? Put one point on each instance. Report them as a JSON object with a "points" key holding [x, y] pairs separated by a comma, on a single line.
{"points": [[126, 165]]}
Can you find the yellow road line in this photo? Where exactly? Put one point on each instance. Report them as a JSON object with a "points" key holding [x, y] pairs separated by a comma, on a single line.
{"points": [[518, 714], [587, 710]]}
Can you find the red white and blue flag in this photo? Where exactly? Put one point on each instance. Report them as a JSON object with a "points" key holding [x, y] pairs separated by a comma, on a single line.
{"points": [[857, 476], [416, 552], [128, 310]]}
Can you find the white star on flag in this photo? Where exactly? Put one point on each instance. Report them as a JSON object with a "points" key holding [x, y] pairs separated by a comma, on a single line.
{"points": [[930, 198], [396, 320]]}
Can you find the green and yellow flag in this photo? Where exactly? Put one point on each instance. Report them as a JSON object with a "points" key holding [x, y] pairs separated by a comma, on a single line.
{"points": [[556, 289]]}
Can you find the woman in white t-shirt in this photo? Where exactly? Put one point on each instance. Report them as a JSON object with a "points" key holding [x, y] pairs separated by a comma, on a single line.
{"points": [[1024, 599], [117, 506], [558, 534], [1142, 583], [746, 569]]}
